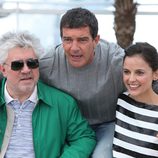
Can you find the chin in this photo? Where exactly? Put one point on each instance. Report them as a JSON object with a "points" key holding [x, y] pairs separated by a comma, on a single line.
{"points": [[134, 94], [77, 65], [27, 88]]}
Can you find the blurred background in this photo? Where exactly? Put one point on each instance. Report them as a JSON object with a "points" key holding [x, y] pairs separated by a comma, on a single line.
{"points": [[42, 17]]}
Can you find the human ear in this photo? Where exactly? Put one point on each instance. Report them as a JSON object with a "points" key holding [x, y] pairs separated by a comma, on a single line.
{"points": [[2, 70], [96, 40], [155, 76]]}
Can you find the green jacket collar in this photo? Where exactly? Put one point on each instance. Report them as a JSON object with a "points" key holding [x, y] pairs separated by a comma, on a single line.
{"points": [[2, 83], [43, 93]]}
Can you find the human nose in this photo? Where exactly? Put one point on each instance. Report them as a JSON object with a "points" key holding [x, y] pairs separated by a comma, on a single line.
{"points": [[25, 68], [132, 77], [74, 45]]}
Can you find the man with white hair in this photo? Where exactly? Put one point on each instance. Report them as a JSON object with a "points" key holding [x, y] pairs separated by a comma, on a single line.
{"points": [[36, 121]]}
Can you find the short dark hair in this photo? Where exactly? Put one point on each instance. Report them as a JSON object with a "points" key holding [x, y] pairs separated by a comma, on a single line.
{"points": [[147, 51], [79, 17]]}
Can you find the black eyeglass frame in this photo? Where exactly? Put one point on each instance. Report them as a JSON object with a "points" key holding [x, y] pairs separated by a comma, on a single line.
{"points": [[19, 64]]}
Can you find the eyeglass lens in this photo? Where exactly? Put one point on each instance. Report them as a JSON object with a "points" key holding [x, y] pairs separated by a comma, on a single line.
{"points": [[19, 64]]}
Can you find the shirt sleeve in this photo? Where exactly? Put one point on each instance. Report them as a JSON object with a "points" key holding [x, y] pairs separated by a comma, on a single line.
{"points": [[80, 137]]}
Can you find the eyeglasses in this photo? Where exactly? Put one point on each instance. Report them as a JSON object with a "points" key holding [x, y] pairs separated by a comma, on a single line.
{"points": [[19, 64]]}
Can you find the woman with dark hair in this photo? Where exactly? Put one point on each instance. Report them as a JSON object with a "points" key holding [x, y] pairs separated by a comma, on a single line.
{"points": [[136, 126]]}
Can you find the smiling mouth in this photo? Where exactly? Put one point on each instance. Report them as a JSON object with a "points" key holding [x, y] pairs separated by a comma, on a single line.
{"points": [[133, 87]]}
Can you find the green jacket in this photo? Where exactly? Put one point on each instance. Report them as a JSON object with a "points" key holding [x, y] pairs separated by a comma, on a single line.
{"points": [[56, 120]]}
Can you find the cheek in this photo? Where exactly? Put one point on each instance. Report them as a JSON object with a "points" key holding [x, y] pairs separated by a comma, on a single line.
{"points": [[89, 50], [90, 47], [66, 50], [36, 74], [125, 78], [66, 47], [143, 80], [146, 81], [13, 78], [10, 74]]}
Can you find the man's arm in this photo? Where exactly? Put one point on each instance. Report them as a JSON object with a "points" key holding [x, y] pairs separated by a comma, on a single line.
{"points": [[80, 137]]}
